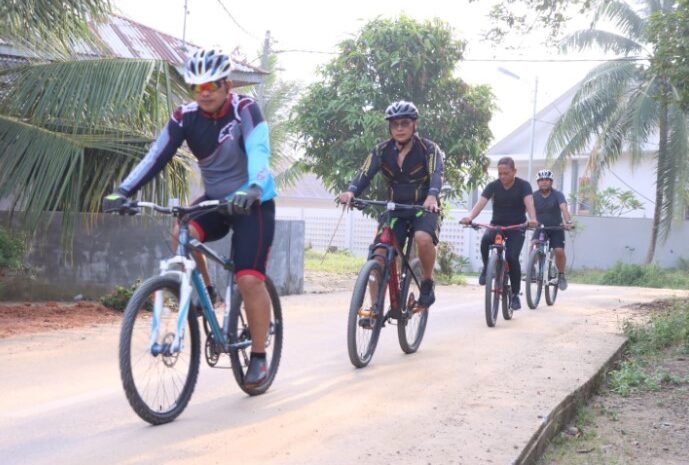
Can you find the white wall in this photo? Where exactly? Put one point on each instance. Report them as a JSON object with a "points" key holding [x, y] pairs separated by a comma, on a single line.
{"points": [[599, 243]]}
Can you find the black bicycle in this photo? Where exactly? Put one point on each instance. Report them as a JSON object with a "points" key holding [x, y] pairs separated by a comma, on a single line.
{"points": [[541, 270], [160, 342], [367, 312], [497, 286]]}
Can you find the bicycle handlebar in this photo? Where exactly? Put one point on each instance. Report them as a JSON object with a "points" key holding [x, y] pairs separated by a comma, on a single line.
{"points": [[133, 207], [360, 204], [497, 227]]}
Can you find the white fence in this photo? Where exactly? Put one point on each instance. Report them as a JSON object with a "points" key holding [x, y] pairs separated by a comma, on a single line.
{"points": [[598, 243]]}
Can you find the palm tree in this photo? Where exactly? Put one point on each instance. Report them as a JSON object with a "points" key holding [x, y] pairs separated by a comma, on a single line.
{"points": [[622, 105], [69, 128]]}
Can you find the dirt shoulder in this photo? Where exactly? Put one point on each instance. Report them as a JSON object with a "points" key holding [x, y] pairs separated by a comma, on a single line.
{"points": [[648, 426]]}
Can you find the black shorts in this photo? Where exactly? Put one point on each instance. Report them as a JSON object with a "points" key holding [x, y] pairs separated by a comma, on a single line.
{"points": [[557, 238], [251, 239], [400, 221]]}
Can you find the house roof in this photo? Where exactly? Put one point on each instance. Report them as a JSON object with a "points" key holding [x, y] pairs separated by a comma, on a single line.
{"points": [[125, 38], [517, 144]]}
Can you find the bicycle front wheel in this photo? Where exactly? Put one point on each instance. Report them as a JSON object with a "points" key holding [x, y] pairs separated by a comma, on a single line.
{"points": [[241, 334], [365, 317], [552, 285], [412, 326], [493, 288], [158, 386], [534, 278]]}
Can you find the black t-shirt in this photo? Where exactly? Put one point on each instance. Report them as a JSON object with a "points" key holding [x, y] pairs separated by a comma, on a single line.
{"points": [[508, 204], [548, 208]]}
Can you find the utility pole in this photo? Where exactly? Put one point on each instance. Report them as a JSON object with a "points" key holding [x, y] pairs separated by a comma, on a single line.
{"points": [[265, 59], [533, 129], [184, 27]]}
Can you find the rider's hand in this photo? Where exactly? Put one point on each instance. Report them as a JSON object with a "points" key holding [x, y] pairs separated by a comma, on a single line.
{"points": [[568, 226], [533, 224], [243, 201], [431, 204], [113, 203], [465, 221], [346, 197]]}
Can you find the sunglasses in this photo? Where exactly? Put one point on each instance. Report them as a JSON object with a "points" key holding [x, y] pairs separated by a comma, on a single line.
{"points": [[206, 86], [401, 123]]}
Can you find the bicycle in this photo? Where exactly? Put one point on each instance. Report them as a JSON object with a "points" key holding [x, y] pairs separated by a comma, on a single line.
{"points": [[541, 270], [159, 359], [497, 286], [366, 313]]}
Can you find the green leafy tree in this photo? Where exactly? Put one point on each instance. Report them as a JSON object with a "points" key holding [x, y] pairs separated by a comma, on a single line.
{"points": [[621, 106], [611, 201], [340, 118], [669, 32], [528, 17], [71, 129]]}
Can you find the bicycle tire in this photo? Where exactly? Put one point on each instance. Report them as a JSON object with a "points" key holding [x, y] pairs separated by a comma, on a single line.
{"points": [[551, 287], [493, 289], [506, 297], [412, 326], [534, 278], [148, 399], [362, 334], [240, 332]]}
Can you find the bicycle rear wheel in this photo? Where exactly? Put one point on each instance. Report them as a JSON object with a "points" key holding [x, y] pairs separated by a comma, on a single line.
{"points": [[412, 326], [493, 288], [365, 318], [534, 278], [240, 333], [552, 285], [158, 387]]}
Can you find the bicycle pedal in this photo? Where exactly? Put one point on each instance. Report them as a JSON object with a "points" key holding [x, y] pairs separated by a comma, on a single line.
{"points": [[365, 323], [365, 313]]}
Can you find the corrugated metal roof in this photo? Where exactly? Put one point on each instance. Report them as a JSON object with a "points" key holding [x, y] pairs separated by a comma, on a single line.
{"points": [[126, 38]]}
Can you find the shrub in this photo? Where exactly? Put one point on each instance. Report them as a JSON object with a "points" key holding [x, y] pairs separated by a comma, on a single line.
{"points": [[117, 299], [11, 251]]}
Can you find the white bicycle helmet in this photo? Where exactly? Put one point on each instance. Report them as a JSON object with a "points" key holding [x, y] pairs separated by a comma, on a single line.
{"points": [[545, 174], [401, 109], [207, 66]]}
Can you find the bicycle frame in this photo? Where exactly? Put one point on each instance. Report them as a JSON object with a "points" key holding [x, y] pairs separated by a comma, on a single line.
{"points": [[184, 269]]}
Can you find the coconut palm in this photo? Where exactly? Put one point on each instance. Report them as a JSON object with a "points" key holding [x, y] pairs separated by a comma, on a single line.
{"points": [[623, 105], [70, 129]]}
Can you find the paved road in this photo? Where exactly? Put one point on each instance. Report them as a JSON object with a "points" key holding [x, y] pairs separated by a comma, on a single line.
{"points": [[471, 395]]}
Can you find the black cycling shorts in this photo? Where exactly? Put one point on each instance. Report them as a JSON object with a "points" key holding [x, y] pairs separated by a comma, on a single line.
{"points": [[252, 235], [557, 238], [400, 221]]}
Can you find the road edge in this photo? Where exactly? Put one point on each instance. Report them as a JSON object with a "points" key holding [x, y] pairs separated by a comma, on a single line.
{"points": [[565, 411]]}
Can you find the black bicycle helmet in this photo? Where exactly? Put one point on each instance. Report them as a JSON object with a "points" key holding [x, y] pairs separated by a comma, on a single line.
{"points": [[401, 109]]}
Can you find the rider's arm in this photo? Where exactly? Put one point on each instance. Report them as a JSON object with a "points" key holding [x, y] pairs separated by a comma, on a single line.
{"points": [[530, 209], [160, 153], [482, 201], [365, 174], [257, 144], [435, 169], [563, 208]]}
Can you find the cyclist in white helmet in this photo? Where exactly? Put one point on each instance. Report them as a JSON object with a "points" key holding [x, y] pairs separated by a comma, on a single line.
{"points": [[413, 170], [551, 208], [228, 135]]}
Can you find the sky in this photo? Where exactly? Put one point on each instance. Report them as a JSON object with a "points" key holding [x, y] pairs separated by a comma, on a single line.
{"points": [[317, 26]]}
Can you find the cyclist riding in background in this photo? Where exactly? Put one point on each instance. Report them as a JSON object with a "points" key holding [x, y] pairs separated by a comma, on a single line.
{"points": [[413, 171], [551, 207], [512, 198], [229, 137]]}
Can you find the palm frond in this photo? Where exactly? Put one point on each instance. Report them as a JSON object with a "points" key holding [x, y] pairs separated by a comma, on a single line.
{"points": [[674, 169], [49, 27], [94, 93], [643, 119], [607, 41], [623, 16]]}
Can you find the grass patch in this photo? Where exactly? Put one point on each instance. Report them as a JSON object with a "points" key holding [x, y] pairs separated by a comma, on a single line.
{"points": [[624, 274], [341, 262]]}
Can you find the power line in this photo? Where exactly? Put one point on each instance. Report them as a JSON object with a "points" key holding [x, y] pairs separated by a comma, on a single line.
{"points": [[552, 60], [236, 23]]}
